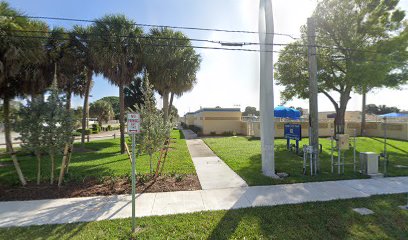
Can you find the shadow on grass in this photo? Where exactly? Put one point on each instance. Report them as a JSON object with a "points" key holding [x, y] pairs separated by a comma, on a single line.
{"points": [[318, 220], [391, 145]]}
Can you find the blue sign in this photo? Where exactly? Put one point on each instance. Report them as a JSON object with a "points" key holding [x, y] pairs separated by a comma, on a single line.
{"points": [[293, 131]]}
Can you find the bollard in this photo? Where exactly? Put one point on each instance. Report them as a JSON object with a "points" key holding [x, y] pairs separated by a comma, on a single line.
{"points": [[114, 136]]}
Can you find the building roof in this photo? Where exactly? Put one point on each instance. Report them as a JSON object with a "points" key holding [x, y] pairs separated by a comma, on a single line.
{"points": [[215, 110]]}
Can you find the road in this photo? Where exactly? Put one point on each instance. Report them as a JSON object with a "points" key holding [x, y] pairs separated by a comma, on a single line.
{"points": [[99, 136]]}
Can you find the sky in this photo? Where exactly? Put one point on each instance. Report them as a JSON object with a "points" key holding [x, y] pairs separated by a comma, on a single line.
{"points": [[225, 78]]}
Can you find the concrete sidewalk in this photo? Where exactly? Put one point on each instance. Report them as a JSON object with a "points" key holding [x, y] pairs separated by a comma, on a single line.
{"points": [[38, 212], [212, 172]]}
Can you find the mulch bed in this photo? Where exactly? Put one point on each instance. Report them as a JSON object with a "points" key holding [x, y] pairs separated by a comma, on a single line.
{"points": [[94, 187]]}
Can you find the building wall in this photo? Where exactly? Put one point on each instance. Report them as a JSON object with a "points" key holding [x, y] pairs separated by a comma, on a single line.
{"points": [[394, 130], [373, 129], [219, 121]]}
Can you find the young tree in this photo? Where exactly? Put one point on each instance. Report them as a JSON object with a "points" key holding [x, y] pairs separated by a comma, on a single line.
{"points": [[31, 129], [153, 129], [361, 45], [58, 126]]}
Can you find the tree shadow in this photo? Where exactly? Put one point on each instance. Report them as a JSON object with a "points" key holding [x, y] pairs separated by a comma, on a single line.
{"points": [[391, 145], [332, 219]]}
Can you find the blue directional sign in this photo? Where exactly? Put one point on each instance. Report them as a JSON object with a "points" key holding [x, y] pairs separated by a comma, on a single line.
{"points": [[293, 131]]}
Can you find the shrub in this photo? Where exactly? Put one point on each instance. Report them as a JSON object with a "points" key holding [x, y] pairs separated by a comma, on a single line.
{"points": [[87, 131], [213, 133], [229, 133], [179, 177], [198, 130], [142, 178], [96, 128], [76, 133], [109, 128]]}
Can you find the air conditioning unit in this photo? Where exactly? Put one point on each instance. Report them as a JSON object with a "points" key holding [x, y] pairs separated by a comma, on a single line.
{"points": [[369, 162]]}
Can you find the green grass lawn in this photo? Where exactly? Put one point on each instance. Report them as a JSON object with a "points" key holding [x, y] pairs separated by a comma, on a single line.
{"points": [[243, 155], [103, 160], [322, 220]]}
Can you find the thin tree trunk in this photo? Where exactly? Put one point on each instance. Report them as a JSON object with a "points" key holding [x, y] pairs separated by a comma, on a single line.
{"points": [[165, 106], [67, 144], [38, 155], [85, 110], [52, 158], [63, 165], [6, 112], [122, 117], [363, 114], [151, 164], [70, 149]]}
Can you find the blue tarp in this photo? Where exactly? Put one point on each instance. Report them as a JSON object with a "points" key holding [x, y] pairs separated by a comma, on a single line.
{"points": [[285, 112], [395, 115]]}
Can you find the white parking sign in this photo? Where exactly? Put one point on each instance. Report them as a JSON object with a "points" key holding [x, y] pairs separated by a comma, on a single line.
{"points": [[133, 123]]}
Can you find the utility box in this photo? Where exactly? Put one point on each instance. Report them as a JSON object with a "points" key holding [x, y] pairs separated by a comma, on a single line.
{"points": [[369, 162], [343, 141]]}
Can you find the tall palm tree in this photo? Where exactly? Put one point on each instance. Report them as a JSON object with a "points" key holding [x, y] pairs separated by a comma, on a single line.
{"points": [[119, 57], [18, 54], [171, 62], [83, 39], [186, 73]]}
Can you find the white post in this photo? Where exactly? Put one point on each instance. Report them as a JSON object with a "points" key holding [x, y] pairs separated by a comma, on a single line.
{"points": [[266, 30], [133, 183]]}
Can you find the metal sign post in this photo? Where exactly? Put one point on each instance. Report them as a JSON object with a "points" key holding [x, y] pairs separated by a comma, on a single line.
{"points": [[133, 123]]}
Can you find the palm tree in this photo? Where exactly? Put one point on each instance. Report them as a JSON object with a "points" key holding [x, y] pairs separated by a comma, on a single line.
{"points": [[83, 39], [18, 54], [186, 70], [102, 110], [118, 51], [172, 64]]}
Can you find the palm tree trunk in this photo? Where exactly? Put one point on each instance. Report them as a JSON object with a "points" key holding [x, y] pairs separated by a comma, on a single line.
{"points": [[171, 103], [38, 155], [122, 117], [165, 106], [363, 114], [52, 158], [85, 110], [6, 112]]}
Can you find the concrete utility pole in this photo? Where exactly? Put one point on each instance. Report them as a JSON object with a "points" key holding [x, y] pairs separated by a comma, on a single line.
{"points": [[266, 30], [313, 114]]}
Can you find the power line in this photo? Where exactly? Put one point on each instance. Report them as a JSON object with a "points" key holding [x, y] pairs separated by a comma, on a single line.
{"points": [[148, 44], [154, 25], [334, 57], [222, 43]]}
